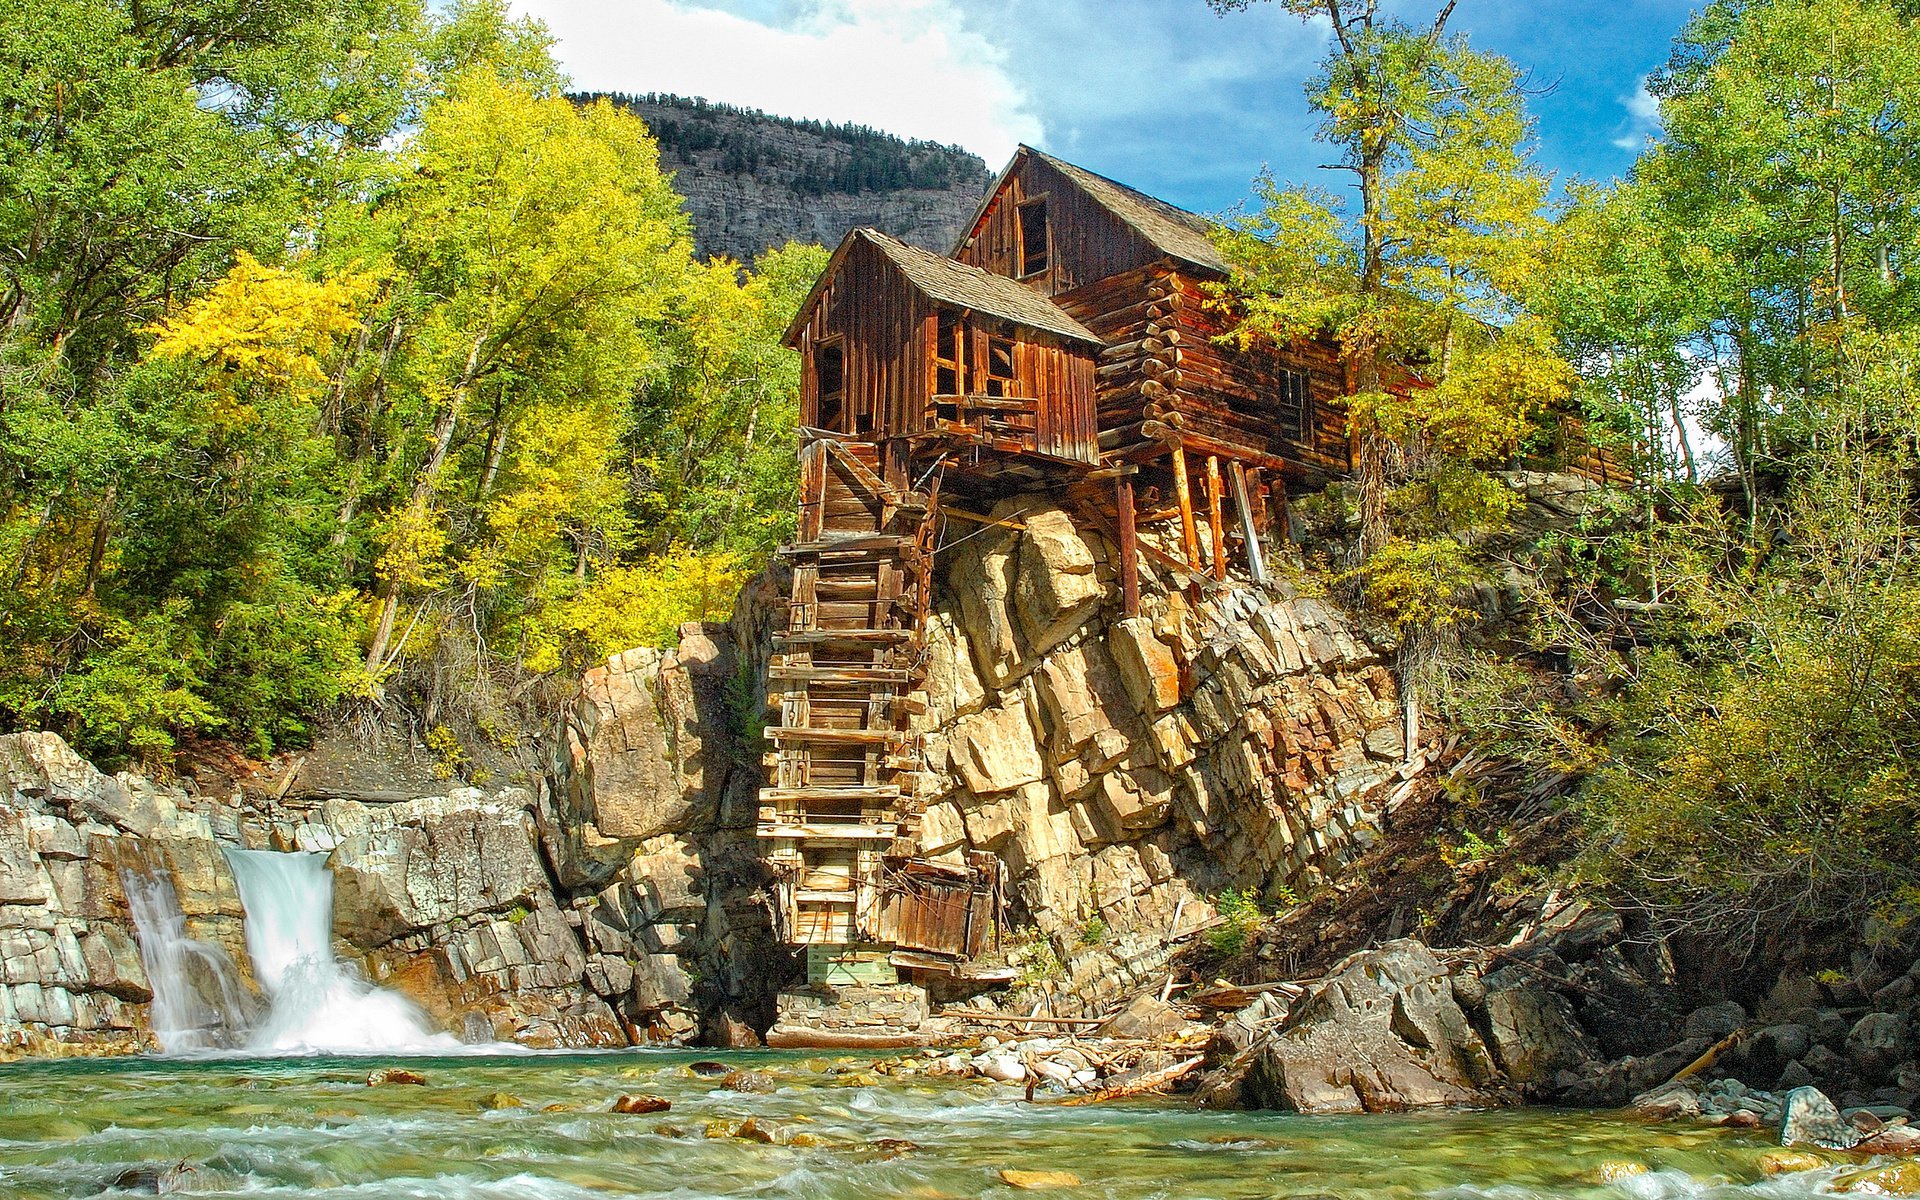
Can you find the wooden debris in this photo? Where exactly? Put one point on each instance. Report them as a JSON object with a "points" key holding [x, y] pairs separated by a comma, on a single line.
{"points": [[1139, 1084]]}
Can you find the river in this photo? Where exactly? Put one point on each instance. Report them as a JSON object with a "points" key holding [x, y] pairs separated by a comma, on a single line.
{"points": [[299, 1126]]}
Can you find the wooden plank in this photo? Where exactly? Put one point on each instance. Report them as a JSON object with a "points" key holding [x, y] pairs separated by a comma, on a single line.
{"points": [[1217, 526], [816, 636], [1129, 547], [1249, 527], [837, 737], [839, 675], [830, 793], [883, 832], [1189, 532]]}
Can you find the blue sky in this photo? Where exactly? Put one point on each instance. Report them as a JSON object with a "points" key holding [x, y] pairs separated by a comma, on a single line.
{"points": [[1162, 94]]}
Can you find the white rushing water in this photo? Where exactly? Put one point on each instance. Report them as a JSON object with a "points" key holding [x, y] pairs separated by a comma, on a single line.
{"points": [[199, 1001], [319, 1005]]}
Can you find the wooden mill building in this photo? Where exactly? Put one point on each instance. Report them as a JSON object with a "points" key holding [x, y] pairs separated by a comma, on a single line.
{"points": [[1066, 344]]}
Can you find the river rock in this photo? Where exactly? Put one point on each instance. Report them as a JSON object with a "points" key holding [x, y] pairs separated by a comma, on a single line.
{"points": [[1003, 1068], [1668, 1102], [1381, 1033], [640, 1104], [1810, 1119], [1877, 1042], [1145, 1018], [392, 1076], [1715, 1021], [1899, 1179]]}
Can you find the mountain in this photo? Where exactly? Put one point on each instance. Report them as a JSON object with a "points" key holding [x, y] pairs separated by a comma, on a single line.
{"points": [[753, 181]]}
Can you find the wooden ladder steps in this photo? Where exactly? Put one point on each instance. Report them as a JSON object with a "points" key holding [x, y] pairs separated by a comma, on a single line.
{"points": [[808, 637], [843, 737]]}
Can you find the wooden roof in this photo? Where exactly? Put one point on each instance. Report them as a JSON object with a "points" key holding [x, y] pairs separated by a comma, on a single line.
{"points": [[1175, 232], [954, 283]]}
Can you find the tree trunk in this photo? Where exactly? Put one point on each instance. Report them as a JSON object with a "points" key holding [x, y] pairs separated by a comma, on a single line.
{"points": [[423, 491]]}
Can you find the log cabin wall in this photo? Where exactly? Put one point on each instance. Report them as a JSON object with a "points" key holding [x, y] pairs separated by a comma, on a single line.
{"points": [[1087, 243], [1245, 398]]}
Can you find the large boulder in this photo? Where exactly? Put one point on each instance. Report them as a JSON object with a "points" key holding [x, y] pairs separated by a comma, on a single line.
{"points": [[1381, 1033], [1532, 1029], [642, 753], [405, 867], [1810, 1119], [1058, 588]]}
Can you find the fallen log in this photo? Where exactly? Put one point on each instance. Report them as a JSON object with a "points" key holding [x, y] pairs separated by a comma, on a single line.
{"points": [[788, 1037], [1145, 1082]]}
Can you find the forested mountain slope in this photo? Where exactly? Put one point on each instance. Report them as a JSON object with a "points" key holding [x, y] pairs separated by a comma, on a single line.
{"points": [[754, 181]]}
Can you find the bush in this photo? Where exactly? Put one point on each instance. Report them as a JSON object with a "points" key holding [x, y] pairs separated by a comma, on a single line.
{"points": [[1241, 917]]}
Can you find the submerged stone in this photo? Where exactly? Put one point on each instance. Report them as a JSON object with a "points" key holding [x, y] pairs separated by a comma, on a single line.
{"points": [[642, 1104], [1036, 1180]]}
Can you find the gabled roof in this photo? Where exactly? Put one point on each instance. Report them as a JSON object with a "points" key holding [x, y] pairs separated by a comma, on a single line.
{"points": [[953, 283], [1174, 232]]}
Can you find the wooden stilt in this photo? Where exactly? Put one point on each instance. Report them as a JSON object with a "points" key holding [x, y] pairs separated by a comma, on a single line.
{"points": [[1219, 529], [1129, 546], [1257, 493], [1282, 520], [1249, 530], [1189, 530]]}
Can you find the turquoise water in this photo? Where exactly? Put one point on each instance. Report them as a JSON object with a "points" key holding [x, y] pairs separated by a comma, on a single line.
{"points": [[298, 1127]]}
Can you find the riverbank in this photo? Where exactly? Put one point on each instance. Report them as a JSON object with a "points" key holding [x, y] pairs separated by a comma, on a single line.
{"points": [[540, 1127]]}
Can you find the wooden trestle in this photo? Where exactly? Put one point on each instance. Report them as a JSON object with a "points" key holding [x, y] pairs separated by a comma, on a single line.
{"points": [[844, 760]]}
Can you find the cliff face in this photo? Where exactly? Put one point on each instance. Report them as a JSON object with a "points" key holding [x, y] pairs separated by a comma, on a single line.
{"points": [[1124, 771], [753, 181]]}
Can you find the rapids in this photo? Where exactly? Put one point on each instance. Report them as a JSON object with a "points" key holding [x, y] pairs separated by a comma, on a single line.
{"points": [[294, 1127]]}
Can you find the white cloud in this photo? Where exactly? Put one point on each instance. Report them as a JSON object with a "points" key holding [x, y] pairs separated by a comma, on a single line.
{"points": [[1643, 116], [910, 67]]}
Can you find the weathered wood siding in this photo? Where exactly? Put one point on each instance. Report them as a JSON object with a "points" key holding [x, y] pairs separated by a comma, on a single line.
{"points": [[878, 316], [1088, 242], [887, 330]]}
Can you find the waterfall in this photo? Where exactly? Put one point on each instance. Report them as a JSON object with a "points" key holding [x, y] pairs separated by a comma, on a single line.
{"points": [[199, 1000], [320, 1006]]}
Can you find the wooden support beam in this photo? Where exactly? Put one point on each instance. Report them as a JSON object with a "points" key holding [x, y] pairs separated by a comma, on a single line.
{"points": [[829, 833], [1189, 530], [1129, 547], [1257, 492], [1282, 518], [837, 737], [1249, 528], [1218, 526]]}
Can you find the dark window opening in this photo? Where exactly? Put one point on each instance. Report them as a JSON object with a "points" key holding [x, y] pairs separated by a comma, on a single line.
{"points": [[1000, 379], [1293, 405], [1034, 243], [830, 381], [950, 355]]}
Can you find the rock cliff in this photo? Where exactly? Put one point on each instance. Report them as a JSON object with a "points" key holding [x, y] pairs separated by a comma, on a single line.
{"points": [[1124, 771]]}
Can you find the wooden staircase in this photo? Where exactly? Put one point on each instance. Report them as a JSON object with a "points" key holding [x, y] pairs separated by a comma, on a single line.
{"points": [[844, 760]]}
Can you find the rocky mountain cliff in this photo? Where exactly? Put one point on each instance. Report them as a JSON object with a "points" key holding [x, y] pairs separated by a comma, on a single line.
{"points": [[754, 181]]}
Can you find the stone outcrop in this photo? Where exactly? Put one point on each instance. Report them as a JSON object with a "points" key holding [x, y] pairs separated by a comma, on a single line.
{"points": [[1381, 1033], [753, 182], [1127, 769], [71, 976]]}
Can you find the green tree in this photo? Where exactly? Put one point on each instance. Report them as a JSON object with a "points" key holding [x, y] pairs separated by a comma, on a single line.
{"points": [[1421, 287]]}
